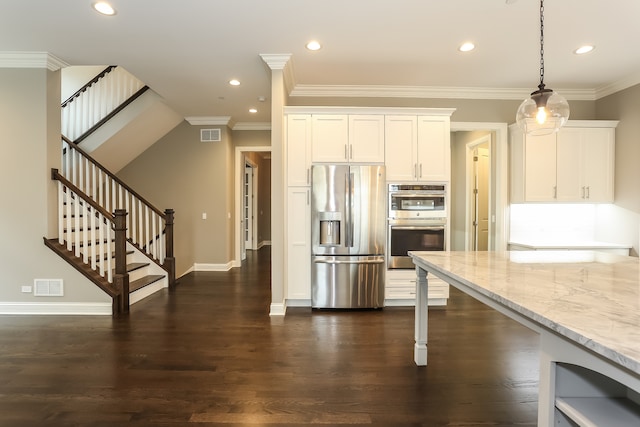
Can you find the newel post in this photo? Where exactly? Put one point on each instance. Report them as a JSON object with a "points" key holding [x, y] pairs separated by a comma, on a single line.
{"points": [[170, 261], [121, 278]]}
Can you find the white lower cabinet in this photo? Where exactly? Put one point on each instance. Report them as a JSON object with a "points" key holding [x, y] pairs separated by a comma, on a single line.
{"points": [[298, 246], [400, 289]]}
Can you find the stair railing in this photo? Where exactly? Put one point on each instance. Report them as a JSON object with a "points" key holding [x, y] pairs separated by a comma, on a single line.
{"points": [[147, 228], [99, 100], [95, 236]]}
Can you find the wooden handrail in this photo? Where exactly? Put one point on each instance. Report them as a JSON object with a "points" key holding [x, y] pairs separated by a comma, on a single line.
{"points": [[90, 83], [55, 175], [109, 116], [112, 176]]}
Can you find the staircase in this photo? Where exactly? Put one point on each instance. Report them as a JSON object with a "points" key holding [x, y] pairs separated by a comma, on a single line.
{"points": [[108, 232]]}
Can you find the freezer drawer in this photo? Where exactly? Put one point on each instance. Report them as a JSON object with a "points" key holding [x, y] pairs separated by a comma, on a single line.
{"points": [[347, 281]]}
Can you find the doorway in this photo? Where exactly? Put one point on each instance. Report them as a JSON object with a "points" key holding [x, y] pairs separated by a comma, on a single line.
{"points": [[478, 226], [258, 159], [464, 137]]}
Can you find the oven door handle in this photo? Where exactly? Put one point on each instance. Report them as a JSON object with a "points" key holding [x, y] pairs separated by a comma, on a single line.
{"points": [[417, 227], [334, 261]]}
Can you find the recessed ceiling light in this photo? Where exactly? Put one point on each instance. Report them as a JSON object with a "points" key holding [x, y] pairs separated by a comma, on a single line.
{"points": [[313, 45], [584, 49], [466, 47], [253, 110], [234, 82], [104, 8]]}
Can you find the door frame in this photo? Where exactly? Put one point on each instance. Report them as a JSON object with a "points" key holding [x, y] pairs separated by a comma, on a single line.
{"points": [[469, 243], [499, 173], [253, 187], [239, 179]]}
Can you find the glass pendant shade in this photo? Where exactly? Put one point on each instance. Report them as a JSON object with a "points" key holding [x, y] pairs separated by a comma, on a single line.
{"points": [[544, 113]]}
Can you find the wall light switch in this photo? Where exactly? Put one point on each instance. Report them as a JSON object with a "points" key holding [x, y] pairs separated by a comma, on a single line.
{"points": [[27, 289], [204, 215]]}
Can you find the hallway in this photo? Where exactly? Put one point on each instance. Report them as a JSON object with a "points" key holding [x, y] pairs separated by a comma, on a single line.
{"points": [[210, 355]]}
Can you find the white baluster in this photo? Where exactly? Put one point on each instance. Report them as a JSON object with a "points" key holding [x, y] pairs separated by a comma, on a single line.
{"points": [[60, 213]]}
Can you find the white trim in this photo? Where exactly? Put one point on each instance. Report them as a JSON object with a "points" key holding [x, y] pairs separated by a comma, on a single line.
{"points": [[382, 91], [31, 60], [447, 112], [252, 126], [212, 267], [264, 243], [277, 309], [614, 87], [52, 308], [469, 184], [209, 120]]}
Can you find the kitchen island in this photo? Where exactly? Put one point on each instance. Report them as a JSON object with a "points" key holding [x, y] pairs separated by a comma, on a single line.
{"points": [[584, 304]]}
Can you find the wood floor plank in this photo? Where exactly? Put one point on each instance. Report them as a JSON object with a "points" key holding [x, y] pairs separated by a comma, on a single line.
{"points": [[209, 354]]}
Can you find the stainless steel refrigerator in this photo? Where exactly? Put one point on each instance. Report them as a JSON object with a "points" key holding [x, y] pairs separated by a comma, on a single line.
{"points": [[348, 214]]}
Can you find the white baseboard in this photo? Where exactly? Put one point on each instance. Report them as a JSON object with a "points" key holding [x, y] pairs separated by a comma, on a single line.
{"points": [[213, 267], [278, 309], [298, 303], [52, 308], [264, 243]]}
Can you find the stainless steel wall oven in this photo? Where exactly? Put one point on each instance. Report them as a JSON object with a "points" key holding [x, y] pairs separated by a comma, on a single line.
{"points": [[417, 222]]}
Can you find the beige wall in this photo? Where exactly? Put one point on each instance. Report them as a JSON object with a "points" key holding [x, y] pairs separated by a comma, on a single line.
{"points": [[625, 106], [197, 177], [30, 140]]}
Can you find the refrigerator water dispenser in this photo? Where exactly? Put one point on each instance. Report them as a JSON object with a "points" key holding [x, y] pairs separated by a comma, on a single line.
{"points": [[329, 228]]}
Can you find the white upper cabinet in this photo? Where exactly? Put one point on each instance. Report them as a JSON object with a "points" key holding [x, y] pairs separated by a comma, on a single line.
{"points": [[348, 138], [434, 148], [576, 164], [330, 138], [417, 148], [298, 149]]}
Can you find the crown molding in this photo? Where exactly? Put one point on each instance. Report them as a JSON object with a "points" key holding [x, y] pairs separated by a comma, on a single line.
{"points": [[356, 91], [209, 120], [252, 126], [31, 60], [276, 61], [614, 87]]}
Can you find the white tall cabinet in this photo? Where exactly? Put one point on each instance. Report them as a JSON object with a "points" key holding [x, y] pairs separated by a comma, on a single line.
{"points": [[413, 144], [576, 164], [298, 211]]}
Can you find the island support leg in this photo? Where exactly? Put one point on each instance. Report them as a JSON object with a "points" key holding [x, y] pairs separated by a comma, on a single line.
{"points": [[421, 318]]}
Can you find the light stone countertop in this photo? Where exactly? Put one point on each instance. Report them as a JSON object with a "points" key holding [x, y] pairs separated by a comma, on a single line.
{"points": [[567, 244], [592, 298]]}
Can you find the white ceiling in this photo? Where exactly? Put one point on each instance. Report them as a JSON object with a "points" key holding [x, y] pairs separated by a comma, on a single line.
{"points": [[188, 50]]}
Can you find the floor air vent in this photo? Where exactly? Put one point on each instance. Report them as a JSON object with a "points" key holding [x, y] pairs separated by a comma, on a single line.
{"points": [[48, 287], [210, 135]]}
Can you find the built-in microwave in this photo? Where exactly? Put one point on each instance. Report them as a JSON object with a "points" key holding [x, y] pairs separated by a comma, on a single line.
{"points": [[417, 201]]}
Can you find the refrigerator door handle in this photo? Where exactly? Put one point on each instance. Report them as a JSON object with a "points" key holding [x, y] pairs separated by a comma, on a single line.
{"points": [[348, 214], [334, 261]]}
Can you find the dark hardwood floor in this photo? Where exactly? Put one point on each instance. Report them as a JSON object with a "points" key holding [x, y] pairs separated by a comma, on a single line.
{"points": [[210, 355]]}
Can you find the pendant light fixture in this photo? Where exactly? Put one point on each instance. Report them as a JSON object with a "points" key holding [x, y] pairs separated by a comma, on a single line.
{"points": [[546, 111]]}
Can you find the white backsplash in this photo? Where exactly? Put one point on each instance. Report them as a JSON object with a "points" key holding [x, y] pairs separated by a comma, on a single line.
{"points": [[553, 222]]}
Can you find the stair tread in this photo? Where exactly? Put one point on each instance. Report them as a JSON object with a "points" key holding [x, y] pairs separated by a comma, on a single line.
{"points": [[144, 281]]}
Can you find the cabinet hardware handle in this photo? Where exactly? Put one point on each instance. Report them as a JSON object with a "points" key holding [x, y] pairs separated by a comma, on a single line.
{"points": [[350, 152], [555, 192], [420, 170], [588, 192], [308, 176]]}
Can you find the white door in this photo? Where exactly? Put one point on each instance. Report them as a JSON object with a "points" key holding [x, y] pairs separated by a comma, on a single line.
{"points": [[248, 209], [481, 220]]}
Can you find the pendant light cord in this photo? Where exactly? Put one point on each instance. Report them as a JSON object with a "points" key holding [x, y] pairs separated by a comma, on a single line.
{"points": [[541, 86]]}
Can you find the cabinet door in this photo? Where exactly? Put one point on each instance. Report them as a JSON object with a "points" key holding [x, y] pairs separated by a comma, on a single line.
{"points": [[329, 138], [434, 149], [569, 158], [540, 168], [598, 164], [366, 138], [298, 243], [298, 149], [401, 146]]}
